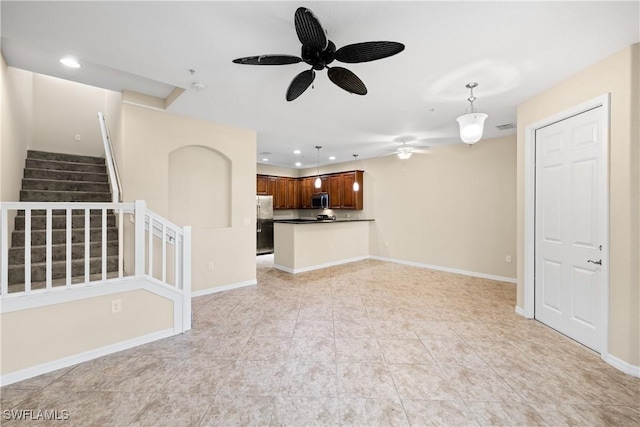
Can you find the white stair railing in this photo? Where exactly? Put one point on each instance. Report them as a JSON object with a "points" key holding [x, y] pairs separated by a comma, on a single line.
{"points": [[161, 254], [110, 158]]}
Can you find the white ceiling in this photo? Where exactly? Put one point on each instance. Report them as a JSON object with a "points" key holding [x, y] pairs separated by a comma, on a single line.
{"points": [[514, 50]]}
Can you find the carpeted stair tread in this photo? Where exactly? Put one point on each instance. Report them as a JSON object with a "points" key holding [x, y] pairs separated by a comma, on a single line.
{"points": [[59, 252], [63, 196], [58, 185], [64, 166], [74, 158], [59, 269], [65, 175], [38, 237], [59, 222]]}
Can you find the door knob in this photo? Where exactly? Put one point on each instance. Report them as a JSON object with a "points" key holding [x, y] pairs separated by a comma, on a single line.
{"points": [[599, 262]]}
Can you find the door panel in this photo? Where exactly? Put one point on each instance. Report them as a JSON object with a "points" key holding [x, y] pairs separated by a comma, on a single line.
{"points": [[570, 227]]}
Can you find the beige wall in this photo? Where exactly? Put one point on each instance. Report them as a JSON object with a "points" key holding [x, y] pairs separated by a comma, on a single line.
{"points": [[62, 109], [45, 334], [454, 207], [149, 136], [617, 75], [276, 171], [16, 128]]}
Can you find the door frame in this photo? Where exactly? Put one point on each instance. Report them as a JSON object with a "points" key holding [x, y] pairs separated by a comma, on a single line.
{"points": [[530, 209]]}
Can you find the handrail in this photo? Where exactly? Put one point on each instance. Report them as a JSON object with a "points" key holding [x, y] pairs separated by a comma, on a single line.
{"points": [[114, 176]]}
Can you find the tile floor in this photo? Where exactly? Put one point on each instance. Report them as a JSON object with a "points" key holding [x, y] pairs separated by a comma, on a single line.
{"points": [[367, 343]]}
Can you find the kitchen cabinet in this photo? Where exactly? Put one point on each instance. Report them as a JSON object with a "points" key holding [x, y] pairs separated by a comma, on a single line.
{"points": [[305, 189], [261, 185], [292, 194], [296, 193]]}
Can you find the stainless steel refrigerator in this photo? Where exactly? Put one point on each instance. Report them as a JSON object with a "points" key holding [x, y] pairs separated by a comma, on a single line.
{"points": [[264, 215]]}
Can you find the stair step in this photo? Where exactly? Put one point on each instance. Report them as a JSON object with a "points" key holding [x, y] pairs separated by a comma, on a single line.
{"points": [[63, 196], [55, 283], [65, 166], [44, 155], [59, 269], [59, 222], [59, 252], [58, 185], [65, 175], [38, 237]]}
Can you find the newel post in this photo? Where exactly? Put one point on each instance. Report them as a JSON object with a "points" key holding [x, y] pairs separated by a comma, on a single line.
{"points": [[140, 208]]}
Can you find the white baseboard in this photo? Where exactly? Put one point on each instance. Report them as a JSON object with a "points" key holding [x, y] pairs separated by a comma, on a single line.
{"points": [[520, 311], [447, 269], [65, 362], [319, 266], [621, 365], [217, 289]]}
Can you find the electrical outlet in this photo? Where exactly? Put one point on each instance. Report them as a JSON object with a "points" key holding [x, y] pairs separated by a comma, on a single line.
{"points": [[211, 265], [116, 306], [331, 246], [78, 137], [508, 258]]}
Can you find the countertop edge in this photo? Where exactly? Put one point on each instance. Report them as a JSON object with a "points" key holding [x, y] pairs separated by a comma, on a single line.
{"points": [[313, 221]]}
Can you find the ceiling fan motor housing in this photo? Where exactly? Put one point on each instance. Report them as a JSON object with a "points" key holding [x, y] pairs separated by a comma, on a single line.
{"points": [[319, 59]]}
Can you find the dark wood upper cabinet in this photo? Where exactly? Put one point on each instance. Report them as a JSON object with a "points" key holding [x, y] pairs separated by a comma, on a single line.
{"points": [[261, 185], [296, 193]]}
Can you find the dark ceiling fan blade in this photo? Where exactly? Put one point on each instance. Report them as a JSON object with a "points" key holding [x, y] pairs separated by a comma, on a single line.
{"points": [[309, 30], [268, 60], [300, 83], [368, 51], [347, 80]]}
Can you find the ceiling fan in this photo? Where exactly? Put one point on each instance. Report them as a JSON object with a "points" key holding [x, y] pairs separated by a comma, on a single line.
{"points": [[405, 151], [319, 52]]}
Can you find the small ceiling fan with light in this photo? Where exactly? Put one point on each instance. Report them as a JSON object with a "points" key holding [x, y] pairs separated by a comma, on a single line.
{"points": [[408, 147], [319, 52]]}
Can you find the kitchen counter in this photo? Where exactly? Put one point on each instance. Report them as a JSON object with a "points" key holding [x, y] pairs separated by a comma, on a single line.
{"points": [[318, 221], [299, 248]]}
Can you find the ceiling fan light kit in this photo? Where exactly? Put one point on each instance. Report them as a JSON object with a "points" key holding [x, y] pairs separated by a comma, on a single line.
{"points": [[404, 153], [471, 123], [319, 52]]}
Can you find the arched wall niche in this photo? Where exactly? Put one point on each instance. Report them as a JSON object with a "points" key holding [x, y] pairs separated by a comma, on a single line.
{"points": [[199, 187]]}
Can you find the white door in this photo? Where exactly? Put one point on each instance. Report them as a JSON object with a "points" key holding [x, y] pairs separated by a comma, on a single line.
{"points": [[570, 227]]}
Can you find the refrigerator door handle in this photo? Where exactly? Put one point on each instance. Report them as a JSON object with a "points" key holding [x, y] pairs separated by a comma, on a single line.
{"points": [[258, 216]]}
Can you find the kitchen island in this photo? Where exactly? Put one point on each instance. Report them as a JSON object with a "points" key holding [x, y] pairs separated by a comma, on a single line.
{"points": [[304, 244]]}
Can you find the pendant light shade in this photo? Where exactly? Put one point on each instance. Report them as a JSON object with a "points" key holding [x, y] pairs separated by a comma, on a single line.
{"points": [[471, 123], [318, 181], [471, 127], [356, 185], [404, 153]]}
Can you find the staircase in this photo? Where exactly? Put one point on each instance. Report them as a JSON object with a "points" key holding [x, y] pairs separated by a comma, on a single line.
{"points": [[55, 177]]}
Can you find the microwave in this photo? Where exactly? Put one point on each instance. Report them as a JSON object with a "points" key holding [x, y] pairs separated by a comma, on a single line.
{"points": [[320, 201]]}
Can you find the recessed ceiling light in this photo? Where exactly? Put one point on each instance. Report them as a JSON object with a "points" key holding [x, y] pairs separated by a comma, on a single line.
{"points": [[298, 164], [70, 62], [265, 160], [296, 151], [332, 157]]}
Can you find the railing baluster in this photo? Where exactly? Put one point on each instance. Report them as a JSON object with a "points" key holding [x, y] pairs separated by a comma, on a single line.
{"points": [[176, 261], [4, 252], [139, 221], [27, 250], [104, 244], [164, 253], [120, 243], [150, 265], [87, 245], [69, 240], [49, 228]]}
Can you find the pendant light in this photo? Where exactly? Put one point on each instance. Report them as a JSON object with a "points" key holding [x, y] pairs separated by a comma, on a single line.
{"points": [[471, 123], [318, 182], [356, 186]]}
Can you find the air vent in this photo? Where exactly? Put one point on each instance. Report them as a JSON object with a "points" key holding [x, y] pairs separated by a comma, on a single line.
{"points": [[506, 126], [265, 153]]}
